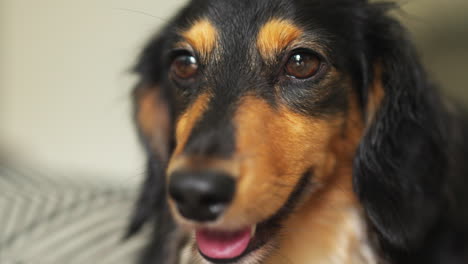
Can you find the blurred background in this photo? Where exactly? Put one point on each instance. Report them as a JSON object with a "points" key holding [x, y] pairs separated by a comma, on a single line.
{"points": [[64, 92], [64, 82]]}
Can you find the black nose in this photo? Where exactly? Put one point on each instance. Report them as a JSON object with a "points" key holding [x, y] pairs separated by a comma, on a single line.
{"points": [[201, 196]]}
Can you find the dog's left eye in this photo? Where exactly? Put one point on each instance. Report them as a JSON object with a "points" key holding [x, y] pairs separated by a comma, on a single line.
{"points": [[302, 65], [184, 66]]}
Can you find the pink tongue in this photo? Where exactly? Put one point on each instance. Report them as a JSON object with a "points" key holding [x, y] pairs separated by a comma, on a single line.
{"points": [[223, 245]]}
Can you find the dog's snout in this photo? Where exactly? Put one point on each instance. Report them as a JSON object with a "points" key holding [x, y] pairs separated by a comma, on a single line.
{"points": [[201, 196]]}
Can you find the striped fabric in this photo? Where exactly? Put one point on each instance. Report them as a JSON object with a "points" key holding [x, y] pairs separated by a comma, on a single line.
{"points": [[60, 220]]}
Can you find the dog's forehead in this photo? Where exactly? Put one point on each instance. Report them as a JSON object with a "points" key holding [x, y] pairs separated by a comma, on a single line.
{"points": [[231, 25], [245, 14], [234, 26]]}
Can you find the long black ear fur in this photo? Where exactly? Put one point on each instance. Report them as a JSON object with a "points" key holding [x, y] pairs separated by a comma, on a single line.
{"points": [[400, 163], [151, 205]]}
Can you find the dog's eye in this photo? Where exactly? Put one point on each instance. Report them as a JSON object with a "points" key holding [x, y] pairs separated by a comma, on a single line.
{"points": [[302, 65], [184, 66]]}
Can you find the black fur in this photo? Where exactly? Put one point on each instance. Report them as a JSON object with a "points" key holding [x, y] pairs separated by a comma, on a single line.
{"points": [[410, 171], [405, 163]]}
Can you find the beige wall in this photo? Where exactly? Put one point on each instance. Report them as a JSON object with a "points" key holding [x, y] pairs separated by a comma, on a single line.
{"points": [[64, 87], [64, 103]]}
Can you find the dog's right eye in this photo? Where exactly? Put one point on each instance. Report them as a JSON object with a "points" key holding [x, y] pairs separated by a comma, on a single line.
{"points": [[302, 65], [184, 66]]}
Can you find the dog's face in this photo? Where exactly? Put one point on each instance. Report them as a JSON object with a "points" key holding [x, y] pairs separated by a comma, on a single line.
{"points": [[255, 107]]}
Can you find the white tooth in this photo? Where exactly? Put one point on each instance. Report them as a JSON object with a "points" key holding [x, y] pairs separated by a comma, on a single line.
{"points": [[252, 231]]}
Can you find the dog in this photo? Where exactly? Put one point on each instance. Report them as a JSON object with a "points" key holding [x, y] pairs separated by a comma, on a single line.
{"points": [[297, 131]]}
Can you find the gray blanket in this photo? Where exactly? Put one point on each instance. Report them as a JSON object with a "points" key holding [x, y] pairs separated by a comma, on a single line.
{"points": [[46, 219]]}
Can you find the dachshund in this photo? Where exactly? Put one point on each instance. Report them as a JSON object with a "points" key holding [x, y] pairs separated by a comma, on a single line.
{"points": [[296, 131]]}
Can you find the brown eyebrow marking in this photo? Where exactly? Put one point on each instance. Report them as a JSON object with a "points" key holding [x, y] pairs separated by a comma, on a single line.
{"points": [[202, 36], [275, 36]]}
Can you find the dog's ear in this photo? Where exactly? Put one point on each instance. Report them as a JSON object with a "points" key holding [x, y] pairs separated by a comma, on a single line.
{"points": [[400, 162], [153, 116]]}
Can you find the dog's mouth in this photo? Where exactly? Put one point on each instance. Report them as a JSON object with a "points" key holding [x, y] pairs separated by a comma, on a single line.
{"points": [[230, 246], [223, 246]]}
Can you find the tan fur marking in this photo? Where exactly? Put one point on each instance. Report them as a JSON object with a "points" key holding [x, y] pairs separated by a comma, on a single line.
{"points": [[376, 94], [153, 118], [275, 36], [185, 124], [202, 36], [271, 146]]}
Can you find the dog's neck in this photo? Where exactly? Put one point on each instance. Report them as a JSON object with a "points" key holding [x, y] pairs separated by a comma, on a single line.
{"points": [[328, 228]]}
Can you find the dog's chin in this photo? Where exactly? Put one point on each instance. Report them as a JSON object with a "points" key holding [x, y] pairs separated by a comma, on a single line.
{"points": [[254, 257], [250, 245]]}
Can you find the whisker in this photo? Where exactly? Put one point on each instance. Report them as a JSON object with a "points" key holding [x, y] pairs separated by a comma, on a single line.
{"points": [[139, 12]]}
